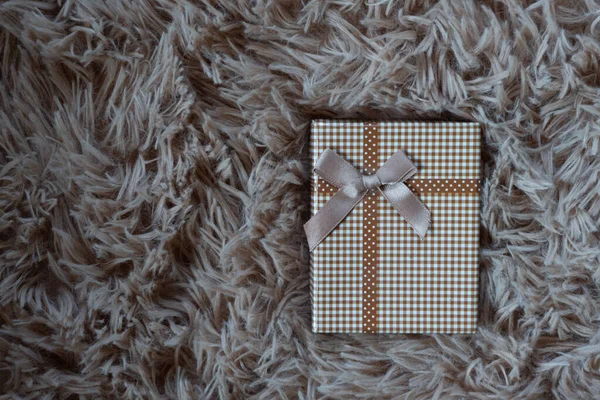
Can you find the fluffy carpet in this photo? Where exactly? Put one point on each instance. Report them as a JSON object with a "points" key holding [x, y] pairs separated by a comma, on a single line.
{"points": [[154, 183]]}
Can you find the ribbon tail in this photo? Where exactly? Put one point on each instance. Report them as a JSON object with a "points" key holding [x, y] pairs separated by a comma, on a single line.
{"points": [[330, 215], [409, 206]]}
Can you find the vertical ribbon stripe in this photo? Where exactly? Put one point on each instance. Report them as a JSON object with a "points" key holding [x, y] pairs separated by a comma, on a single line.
{"points": [[370, 252]]}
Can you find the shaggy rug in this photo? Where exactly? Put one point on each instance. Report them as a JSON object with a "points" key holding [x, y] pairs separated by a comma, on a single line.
{"points": [[154, 182]]}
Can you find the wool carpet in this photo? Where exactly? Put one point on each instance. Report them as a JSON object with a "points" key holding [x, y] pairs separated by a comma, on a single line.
{"points": [[154, 181]]}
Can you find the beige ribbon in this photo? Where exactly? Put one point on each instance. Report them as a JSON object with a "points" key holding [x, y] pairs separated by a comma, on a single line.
{"points": [[354, 186]]}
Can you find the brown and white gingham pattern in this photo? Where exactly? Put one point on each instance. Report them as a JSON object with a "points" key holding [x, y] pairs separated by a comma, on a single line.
{"points": [[337, 262], [439, 150], [425, 285], [430, 285]]}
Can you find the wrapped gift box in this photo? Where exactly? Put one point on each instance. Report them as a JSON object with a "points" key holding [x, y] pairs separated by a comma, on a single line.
{"points": [[373, 273]]}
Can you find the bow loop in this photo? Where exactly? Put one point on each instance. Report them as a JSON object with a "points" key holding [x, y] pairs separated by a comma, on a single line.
{"points": [[397, 168], [354, 186]]}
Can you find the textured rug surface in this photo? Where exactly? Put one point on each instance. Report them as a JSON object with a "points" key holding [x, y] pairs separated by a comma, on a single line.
{"points": [[154, 182]]}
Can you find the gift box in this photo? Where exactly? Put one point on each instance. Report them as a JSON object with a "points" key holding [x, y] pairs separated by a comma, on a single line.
{"points": [[394, 232]]}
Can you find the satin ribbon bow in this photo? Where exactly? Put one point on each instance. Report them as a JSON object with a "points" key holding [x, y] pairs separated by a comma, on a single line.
{"points": [[354, 186]]}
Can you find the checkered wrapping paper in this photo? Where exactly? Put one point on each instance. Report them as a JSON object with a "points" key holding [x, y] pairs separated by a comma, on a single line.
{"points": [[423, 286]]}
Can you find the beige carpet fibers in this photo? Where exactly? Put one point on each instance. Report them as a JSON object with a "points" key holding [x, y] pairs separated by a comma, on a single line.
{"points": [[154, 182]]}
